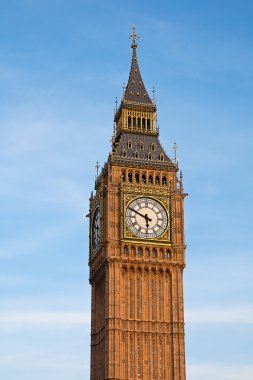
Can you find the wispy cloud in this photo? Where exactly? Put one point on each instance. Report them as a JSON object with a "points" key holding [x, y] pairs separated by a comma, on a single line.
{"points": [[35, 242], [43, 319], [242, 314], [42, 359], [217, 371]]}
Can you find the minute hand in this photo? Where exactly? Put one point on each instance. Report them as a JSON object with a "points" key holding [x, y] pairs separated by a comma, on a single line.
{"points": [[144, 216]]}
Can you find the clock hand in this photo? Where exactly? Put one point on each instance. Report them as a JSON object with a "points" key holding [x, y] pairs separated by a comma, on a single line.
{"points": [[144, 216]]}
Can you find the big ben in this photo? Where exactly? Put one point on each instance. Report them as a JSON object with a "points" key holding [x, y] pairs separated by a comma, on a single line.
{"points": [[137, 249]]}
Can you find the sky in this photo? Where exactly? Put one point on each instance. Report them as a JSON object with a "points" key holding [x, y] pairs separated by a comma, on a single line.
{"points": [[62, 63]]}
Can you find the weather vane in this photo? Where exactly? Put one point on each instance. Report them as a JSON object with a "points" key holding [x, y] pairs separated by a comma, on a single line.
{"points": [[134, 36], [97, 166]]}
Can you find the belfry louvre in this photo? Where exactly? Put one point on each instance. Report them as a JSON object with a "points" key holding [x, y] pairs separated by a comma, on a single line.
{"points": [[137, 249]]}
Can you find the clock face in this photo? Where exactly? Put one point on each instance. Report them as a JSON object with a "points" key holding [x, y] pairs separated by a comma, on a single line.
{"points": [[146, 218], [96, 229]]}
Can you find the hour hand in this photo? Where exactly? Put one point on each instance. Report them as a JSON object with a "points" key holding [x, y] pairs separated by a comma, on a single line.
{"points": [[147, 220], [143, 216]]}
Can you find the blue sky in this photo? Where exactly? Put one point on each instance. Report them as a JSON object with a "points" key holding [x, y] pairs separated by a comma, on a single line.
{"points": [[61, 65]]}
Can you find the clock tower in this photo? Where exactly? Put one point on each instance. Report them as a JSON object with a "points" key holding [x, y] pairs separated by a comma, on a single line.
{"points": [[137, 249]]}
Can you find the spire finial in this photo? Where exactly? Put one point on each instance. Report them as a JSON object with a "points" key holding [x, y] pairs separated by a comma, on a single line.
{"points": [[134, 36], [175, 152], [153, 91], [97, 166]]}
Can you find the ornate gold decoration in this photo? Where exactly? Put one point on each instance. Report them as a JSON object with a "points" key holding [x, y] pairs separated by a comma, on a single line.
{"points": [[127, 198]]}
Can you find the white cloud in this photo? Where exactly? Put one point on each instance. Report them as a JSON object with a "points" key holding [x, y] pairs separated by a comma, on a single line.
{"points": [[227, 314], [213, 371], [43, 319], [41, 359]]}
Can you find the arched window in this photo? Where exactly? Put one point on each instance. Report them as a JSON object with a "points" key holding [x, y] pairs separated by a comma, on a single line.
{"points": [[147, 251], [164, 180], [124, 153], [137, 177], [157, 180], [149, 156], [139, 122], [161, 157], [129, 144], [141, 145], [132, 250], [123, 176], [140, 251], [168, 253], [134, 122], [154, 252], [129, 121], [143, 178], [136, 154], [143, 123], [152, 146], [130, 177], [161, 253], [150, 179], [126, 250]]}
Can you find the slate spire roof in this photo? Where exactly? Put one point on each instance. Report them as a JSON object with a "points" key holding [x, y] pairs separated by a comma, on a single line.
{"points": [[135, 141], [135, 90]]}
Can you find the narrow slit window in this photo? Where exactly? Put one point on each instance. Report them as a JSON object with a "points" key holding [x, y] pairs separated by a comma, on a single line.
{"points": [[131, 298]]}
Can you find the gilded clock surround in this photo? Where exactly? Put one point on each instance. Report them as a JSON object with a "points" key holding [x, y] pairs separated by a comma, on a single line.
{"points": [[96, 201], [127, 234], [137, 317]]}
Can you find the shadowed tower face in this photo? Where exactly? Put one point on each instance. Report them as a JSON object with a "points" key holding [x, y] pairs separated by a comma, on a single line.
{"points": [[137, 249]]}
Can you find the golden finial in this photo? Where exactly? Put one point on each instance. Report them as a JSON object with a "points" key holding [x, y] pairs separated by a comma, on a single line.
{"points": [[134, 36]]}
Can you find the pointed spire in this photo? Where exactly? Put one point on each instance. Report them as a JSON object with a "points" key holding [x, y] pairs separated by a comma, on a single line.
{"points": [[135, 91]]}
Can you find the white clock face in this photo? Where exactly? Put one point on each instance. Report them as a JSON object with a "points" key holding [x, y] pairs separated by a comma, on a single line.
{"points": [[96, 229], [146, 218]]}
